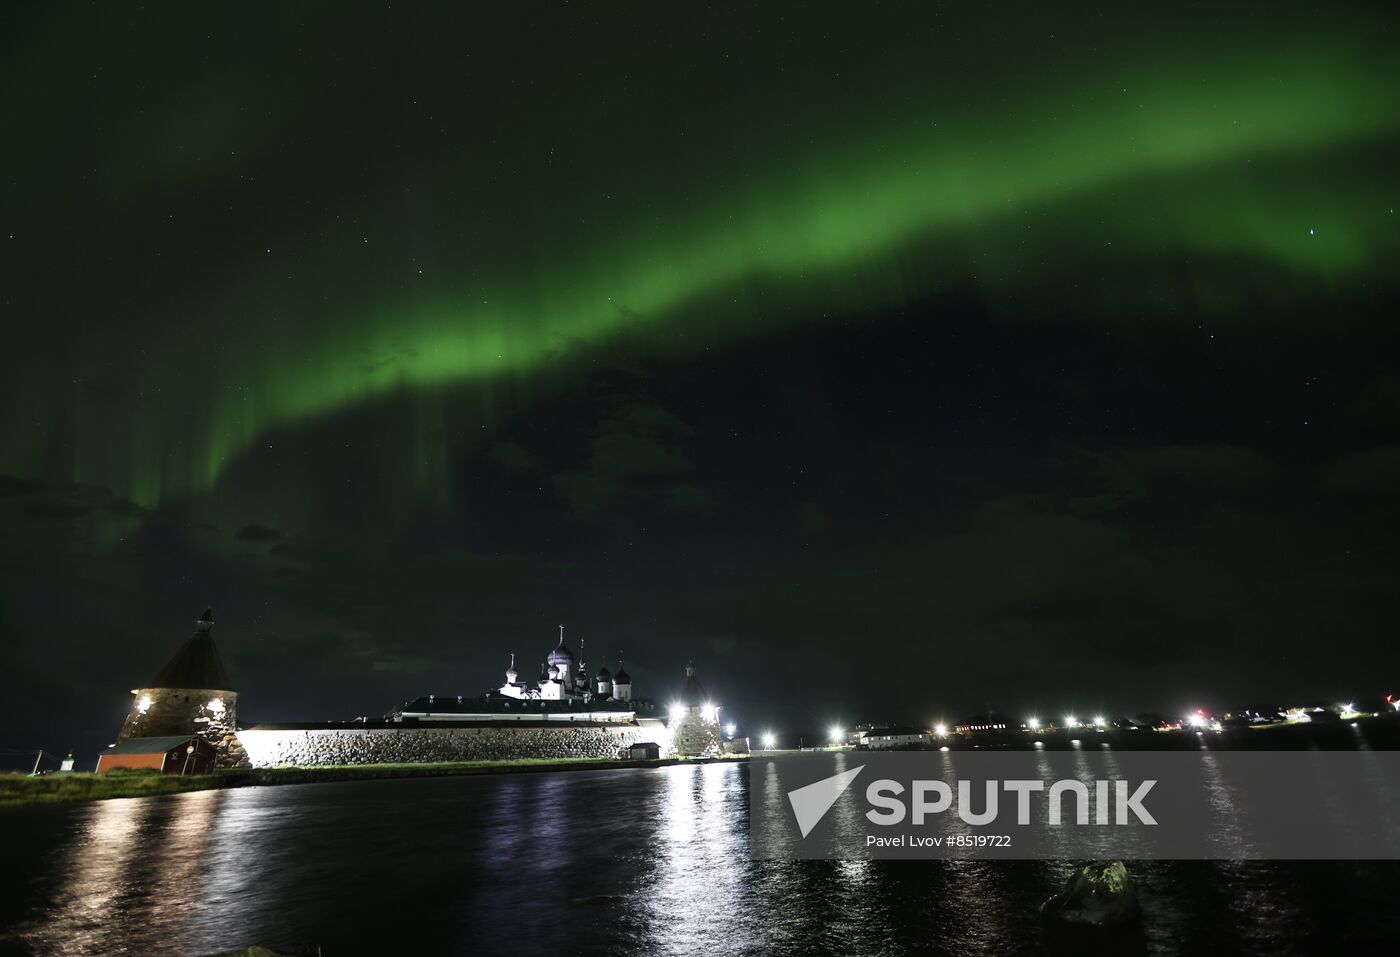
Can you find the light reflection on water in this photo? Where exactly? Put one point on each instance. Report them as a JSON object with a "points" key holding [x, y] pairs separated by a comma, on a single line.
{"points": [[651, 861], [108, 868]]}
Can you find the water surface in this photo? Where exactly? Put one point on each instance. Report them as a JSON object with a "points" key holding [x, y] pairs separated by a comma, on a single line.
{"points": [[636, 861]]}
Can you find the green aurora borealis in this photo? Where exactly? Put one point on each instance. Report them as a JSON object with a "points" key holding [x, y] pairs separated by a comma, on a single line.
{"points": [[401, 334], [853, 179]]}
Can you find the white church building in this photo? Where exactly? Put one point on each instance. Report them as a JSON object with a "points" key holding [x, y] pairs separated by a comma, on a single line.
{"points": [[562, 677]]}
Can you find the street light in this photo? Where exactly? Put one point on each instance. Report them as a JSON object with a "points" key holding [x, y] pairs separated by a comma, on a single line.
{"points": [[1071, 721], [837, 734], [940, 729], [1033, 724], [769, 741], [1098, 722]]}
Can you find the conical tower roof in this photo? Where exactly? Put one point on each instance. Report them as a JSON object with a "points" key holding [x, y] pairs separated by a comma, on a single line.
{"points": [[197, 664], [694, 693]]}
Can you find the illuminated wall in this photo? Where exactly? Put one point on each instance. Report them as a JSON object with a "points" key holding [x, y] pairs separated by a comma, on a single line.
{"points": [[311, 747]]}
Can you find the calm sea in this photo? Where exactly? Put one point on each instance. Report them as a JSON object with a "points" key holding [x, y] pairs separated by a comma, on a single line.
{"points": [[638, 861]]}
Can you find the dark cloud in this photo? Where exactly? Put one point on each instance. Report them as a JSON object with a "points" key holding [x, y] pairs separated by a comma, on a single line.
{"points": [[1124, 477], [636, 455], [47, 527], [257, 532], [1374, 472], [514, 457]]}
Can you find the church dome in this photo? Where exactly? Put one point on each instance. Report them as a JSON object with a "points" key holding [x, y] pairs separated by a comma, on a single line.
{"points": [[562, 655], [622, 677], [604, 674]]}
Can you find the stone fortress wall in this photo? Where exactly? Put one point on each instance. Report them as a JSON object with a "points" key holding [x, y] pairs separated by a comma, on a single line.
{"points": [[417, 744]]}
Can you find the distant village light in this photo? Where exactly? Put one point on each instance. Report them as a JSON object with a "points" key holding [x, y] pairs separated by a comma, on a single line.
{"points": [[1098, 722], [769, 741], [1071, 721], [837, 734], [1033, 724], [940, 729]]}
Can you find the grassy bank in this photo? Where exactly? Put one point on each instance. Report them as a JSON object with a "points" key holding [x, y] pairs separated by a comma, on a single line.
{"points": [[21, 790]]}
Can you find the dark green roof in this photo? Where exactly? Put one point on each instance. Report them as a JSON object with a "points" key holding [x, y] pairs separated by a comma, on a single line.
{"points": [[493, 702], [159, 745]]}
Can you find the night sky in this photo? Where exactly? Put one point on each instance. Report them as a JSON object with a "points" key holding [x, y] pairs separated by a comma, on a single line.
{"points": [[889, 363]]}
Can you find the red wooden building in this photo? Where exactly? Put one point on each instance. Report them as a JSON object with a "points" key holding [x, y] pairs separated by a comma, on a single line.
{"points": [[170, 754]]}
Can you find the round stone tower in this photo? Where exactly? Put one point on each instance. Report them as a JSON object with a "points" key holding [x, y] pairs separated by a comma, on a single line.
{"points": [[192, 694], [694, 722]]}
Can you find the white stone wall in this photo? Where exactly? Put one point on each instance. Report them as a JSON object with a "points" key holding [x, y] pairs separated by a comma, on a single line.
{"points": [[310, 747]]}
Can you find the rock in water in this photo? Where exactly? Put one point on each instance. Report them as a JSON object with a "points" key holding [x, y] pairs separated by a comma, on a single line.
{"points": [[1100, 895]]}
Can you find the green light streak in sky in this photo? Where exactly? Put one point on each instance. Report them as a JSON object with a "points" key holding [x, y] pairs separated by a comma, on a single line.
{"points": [[912, 189], [1183, 155]]}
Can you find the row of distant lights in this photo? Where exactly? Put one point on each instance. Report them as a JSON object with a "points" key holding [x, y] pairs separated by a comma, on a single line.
{"points": [[1035, 724], [838, 735], [1198, 720]]}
